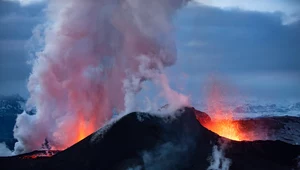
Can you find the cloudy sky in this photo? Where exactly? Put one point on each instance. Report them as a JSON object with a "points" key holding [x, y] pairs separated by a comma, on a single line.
{"points": [[250, 46]]}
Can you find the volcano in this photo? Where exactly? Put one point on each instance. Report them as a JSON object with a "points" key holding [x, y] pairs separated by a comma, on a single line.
{"points": [[148, 141]]}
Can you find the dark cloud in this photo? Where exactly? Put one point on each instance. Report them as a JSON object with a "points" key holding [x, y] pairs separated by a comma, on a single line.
{"points": [[253, 50], [17, 24], [239, 40], [241, 46]]}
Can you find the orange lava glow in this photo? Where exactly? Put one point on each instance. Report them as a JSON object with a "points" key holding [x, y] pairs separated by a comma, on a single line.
{"points": [[30, 157], [228, 129], [77, 131], [85, 128], [40, 154], [222, 121]]}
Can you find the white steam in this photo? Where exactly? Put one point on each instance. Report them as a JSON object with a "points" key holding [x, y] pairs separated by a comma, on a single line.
{"points": [[4, 151], [218, 160], [96, 54]]}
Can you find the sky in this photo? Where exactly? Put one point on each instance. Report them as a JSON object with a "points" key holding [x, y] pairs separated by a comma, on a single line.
{"points": [[251, 47]]}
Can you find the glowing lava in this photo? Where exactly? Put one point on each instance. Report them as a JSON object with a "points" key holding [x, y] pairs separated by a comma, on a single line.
{"points": [[224, 125], [228, 129], [85, 128], [40, 154], [222, 122], [82, 127]]}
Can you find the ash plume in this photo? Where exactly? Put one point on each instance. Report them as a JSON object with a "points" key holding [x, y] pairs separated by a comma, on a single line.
{"points": [[95, 56]]}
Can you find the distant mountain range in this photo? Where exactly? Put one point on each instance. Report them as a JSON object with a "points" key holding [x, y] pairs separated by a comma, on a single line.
{"points": [[267, 110], [255, 108], [271, 108]]}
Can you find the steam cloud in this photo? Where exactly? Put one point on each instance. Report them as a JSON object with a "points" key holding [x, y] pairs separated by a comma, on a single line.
{"points": [[95, 56]]}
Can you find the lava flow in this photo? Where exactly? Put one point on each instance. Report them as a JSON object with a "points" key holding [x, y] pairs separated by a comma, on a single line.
{"points": [[40, 154]]}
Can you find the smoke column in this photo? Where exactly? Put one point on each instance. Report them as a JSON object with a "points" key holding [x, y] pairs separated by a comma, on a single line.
{"points": [[95, 56]]}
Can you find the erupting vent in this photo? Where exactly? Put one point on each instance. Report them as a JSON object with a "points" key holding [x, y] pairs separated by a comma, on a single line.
{"points": [[85, 128], [229, 129], [222, 122]]}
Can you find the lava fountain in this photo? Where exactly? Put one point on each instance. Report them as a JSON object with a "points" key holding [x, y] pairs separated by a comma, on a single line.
{"points": [[228, 128], [222, 120], [85, 128]]}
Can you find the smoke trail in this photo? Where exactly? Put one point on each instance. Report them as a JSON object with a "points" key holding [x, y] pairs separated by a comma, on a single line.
{"points": [[91, 64]]}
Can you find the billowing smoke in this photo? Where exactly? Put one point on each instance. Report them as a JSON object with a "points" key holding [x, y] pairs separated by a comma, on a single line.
{"points": [[95, 56]]}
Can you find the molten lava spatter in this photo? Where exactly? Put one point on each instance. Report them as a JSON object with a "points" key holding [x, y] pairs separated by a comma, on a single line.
{"points": [[228, 129], [222, 122], [224, 125]]}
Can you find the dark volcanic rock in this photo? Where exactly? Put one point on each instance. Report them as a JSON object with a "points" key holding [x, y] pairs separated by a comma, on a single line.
{"points": [[141, 140], [285, 128]]}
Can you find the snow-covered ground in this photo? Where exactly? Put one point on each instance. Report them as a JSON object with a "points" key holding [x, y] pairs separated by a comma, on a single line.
{"points": [[252, 109]]}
